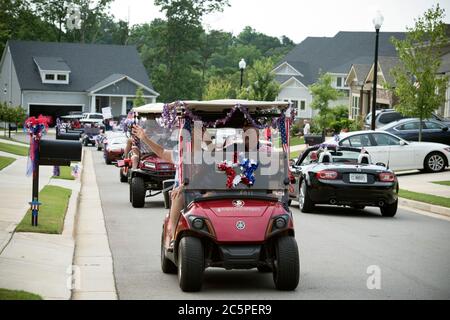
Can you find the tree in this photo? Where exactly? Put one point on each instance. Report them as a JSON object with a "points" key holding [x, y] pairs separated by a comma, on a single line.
{"points": [[419, 88], [175, 76], [262, 84], [139, 100], [218, 88], [322, 93]]}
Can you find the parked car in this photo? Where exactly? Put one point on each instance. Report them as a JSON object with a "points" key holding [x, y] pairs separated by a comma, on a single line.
{"points": [[92, 118], [408, 129], [382, 118], [343, 176], [114, 149], [397, 153]]}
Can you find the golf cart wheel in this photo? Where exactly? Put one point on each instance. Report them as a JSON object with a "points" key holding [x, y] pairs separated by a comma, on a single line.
{"points": [[264, 269], [85, 142], [167, 265], [137, 192], [304, 202], [286, 273], [434, 162], [107, 160], [191, 264], [99, 148], [123, 178], [389, 210], [358, 207]]}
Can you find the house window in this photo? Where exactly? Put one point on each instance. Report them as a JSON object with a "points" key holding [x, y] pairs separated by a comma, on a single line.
{"points": [[62, 77], [355, 107], [302, 105], [49, 76], [339, 82]]}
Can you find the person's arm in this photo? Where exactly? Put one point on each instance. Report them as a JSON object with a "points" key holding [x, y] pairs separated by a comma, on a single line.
{"points": [[156, 148]]}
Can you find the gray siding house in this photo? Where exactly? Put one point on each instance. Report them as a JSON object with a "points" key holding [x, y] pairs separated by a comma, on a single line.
{"points": [[302, 66], [54, 79]]}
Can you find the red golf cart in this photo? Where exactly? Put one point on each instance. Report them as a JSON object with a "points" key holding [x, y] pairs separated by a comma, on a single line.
{"points": [[235, 213]]}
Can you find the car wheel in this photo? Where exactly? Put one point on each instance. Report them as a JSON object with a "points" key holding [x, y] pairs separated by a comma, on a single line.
{"points": [[137, 192], [191, 264], [286, 273], [389, 210], [304, 202], [358, 207], [434, 162], [123, 178], [289, 202], [167, 265], [264, 269]]}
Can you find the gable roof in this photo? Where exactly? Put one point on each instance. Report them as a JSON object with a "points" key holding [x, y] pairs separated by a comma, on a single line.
{"points": [[385, 65], [337, 54], [114, 79], [89, 64], [358, 71]]}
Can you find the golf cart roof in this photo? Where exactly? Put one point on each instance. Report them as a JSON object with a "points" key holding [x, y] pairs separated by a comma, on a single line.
{"points": [[72, 116], [152, 108], [218, 105]]}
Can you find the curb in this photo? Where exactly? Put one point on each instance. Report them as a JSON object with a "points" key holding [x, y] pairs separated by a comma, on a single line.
{"points": [[424, 206]]}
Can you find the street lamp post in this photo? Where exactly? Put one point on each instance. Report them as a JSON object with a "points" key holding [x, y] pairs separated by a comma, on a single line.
{"points": [[377, 22], [242, 66]]}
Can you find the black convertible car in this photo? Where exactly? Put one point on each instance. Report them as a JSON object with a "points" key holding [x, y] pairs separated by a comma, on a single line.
{"points": [[329, 174]]}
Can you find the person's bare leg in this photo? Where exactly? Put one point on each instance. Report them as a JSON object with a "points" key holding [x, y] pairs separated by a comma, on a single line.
{"points": [[135, 158], [175, 210]]}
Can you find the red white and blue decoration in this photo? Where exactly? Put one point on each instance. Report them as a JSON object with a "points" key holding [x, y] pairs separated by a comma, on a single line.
{"points": [[247, 175], [36, 128]]}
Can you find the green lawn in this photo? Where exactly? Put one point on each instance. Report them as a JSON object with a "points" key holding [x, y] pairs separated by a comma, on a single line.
{"points": [[14, 149], [423, 197], [5, 161], [296, 141], [294, 154], [6, 294], [51, 213], [65, 173], [13, 139], [444, 183]]}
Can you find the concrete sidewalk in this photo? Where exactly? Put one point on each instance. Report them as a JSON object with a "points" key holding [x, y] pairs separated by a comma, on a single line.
{"points": [[34, 262], [422, 182]]}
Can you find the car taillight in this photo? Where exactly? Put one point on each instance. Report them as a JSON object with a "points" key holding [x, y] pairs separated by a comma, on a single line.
{"points": [[327, 175], [386, 177]]}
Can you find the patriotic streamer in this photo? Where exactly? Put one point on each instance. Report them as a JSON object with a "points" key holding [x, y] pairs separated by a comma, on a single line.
{"points": [[36, 128]]}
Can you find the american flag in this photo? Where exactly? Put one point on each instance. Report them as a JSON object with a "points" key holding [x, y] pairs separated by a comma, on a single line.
{"points": [[284, 131], [186, 125]]}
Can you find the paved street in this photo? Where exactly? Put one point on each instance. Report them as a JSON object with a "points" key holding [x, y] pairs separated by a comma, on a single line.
{"points": [[336, 248]]}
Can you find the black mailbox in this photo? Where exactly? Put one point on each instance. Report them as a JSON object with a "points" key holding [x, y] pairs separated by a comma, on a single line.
{"points": [[312, 140], [59, 152], [68, 136]]}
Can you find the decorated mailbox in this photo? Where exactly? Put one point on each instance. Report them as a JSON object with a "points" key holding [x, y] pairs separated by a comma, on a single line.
{"points": [[46, 153]]}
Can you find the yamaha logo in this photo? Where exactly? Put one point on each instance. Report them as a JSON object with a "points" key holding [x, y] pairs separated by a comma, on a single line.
{"points": [[240, 225], [238, 203]]}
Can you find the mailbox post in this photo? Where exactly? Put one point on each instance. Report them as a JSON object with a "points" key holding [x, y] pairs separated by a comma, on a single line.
{"points": [[51, 153]]}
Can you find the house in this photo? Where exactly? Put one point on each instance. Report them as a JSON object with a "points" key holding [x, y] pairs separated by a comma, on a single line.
{"points": [[54, 79], [444, 69], [303, 65], [360, 81]]}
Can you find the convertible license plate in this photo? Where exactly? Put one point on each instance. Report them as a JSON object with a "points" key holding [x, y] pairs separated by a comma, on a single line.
{"points": [[358, 177]]}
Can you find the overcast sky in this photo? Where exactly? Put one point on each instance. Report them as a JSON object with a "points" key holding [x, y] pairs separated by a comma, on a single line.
{"points": [[297, 19]]}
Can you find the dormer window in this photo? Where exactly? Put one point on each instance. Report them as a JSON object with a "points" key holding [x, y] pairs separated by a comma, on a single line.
{"points": [[52, 70]]}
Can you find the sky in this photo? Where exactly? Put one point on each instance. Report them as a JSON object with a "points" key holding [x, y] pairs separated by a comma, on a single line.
{"points": [[296, 19]]}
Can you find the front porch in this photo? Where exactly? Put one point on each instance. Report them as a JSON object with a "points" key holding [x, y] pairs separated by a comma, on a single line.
{"points": [[118, 92]]}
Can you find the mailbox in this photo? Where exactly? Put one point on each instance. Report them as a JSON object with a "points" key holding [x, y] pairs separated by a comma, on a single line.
{"points": [[59, 152], [314, 139], [68, 136]]}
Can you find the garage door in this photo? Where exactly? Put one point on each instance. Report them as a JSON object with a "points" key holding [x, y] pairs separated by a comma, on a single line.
{"points": [[52, 111]]}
